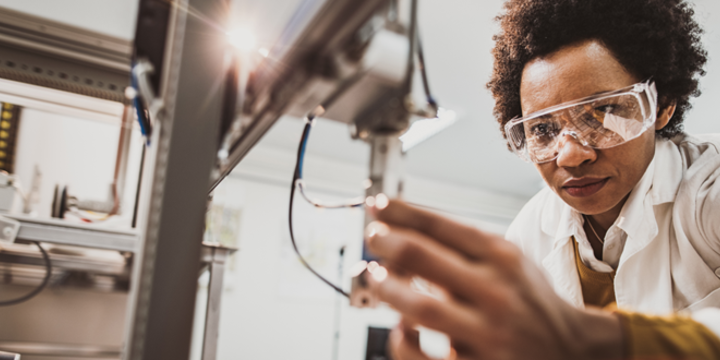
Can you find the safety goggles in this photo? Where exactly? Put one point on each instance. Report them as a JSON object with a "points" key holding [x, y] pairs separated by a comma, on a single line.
{"points": [[599, 121]]}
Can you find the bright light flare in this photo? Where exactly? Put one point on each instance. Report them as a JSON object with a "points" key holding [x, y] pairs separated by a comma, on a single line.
{"points": [[421, 130], [242, 39]]}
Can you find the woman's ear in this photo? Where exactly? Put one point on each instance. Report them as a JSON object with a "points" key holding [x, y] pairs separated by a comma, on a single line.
{"points": [[665, 114]]}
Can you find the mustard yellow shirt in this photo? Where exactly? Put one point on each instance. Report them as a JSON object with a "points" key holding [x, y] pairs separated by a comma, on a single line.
{"points": [[649, 337]]}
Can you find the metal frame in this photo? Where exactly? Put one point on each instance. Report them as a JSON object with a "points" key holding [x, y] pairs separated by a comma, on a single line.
{"points": [[215, 256], [181, 162], [304, 54], [172, 207], [65, 233], [177, 171]]}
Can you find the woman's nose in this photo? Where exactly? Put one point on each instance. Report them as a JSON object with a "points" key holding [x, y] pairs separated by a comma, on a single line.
{"points": [[572, 152]]}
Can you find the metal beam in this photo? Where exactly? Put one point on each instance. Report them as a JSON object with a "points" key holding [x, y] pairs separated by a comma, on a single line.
{"points": [[42, 52], [66, 233], [181, 158]]}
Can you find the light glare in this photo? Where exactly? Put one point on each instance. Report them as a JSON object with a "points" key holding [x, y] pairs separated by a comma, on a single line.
{"points": [[241, 39], [421, 130]]}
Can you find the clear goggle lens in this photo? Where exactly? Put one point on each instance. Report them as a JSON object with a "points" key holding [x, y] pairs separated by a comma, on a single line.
{"points": [[600, 121]]}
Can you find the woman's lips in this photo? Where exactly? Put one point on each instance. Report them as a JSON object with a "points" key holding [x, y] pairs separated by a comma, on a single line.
{"points": [[584, 187]]}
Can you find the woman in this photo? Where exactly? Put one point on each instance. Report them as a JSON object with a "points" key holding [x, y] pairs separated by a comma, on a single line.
{"points": [[594, 93]]}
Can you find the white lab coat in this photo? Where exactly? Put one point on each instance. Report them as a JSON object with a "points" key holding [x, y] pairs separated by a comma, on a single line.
{"points": [[669, 260]]}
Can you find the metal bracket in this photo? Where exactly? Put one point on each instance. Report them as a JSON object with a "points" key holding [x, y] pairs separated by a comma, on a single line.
{"points": [[9, 229]]}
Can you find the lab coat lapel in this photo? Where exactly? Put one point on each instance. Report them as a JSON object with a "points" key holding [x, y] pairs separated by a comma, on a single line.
{"points": [[560, 262], [643, 281]]}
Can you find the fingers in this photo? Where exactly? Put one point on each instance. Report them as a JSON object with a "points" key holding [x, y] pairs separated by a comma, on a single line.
{"points": [[465, 239], [414, 252], [446, 315]]}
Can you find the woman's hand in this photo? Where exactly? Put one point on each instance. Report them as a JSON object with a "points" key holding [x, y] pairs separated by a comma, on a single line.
{"points": [[493, 304]]}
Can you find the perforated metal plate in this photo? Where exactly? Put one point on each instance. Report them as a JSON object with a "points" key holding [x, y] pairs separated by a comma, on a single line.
{"points": [[42, 52]]}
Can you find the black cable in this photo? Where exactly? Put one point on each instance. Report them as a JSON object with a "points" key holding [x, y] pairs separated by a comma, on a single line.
{"points": [[30, 295], [139, 186], [412, 37], [426, 83], [296, 176]]}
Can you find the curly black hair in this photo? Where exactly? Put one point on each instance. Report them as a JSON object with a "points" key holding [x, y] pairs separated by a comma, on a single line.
{"points": [[650, 38]]}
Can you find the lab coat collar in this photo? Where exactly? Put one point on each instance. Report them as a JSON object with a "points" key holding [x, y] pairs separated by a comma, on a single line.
{"points": [[661, 179], [637, 219], [658, 185]]}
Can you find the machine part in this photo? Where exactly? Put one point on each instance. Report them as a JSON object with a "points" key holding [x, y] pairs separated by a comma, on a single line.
{"points": [[338, 307], [64, 202], [151, 34], [33, 197], [176, 178], [141, 80], [381, 125], [9, 356], [143, 115], [56, 231], [9, 125], [37, 290], [121, 160], [9, 229], [386, 172], [66, 351], [216, 259], [60, 202], [377, 344], [310, 52], [47, 53], [8, 192]]}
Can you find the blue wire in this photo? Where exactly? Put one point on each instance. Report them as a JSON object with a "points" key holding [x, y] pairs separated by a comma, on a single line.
{"points": [[139, 109], [302, 149]]}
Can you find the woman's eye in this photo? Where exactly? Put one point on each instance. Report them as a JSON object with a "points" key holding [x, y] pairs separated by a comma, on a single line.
{"points": [[605, 108], [541, 129]]}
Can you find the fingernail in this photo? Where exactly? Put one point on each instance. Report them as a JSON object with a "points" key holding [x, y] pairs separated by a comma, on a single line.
{"points": [[370, 201], [358, 268], [381, 201], [376, 228], [379, 274], [372, 266]]}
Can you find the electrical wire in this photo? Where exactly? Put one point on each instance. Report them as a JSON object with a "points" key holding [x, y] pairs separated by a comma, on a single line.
{"points": [[426, 84], [297, 182], [37, 290], [143, 114], [296, 176], [352, 204]]}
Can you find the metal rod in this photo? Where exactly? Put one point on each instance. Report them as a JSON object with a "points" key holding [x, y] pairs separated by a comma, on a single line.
{"points": [[338, 306], [212, 315]]}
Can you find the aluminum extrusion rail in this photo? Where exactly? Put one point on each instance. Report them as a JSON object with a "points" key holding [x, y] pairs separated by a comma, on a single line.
{"points": [[66, 233]]}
